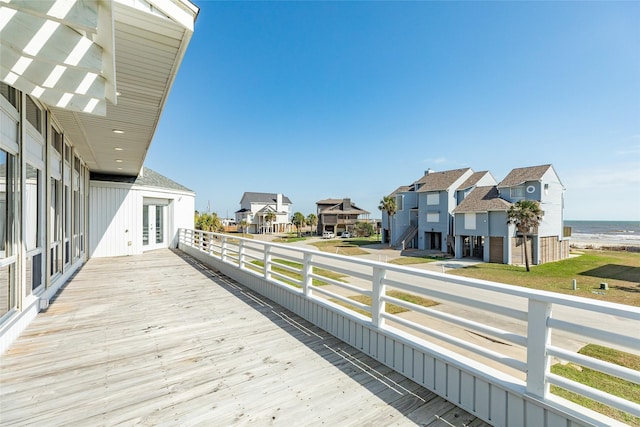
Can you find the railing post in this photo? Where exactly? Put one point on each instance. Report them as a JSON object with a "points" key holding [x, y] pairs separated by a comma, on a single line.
{"points": [[307, 269], [241, 254], [209, 244], [223, 249], [267, 262], [538, 337], [378, 289]]}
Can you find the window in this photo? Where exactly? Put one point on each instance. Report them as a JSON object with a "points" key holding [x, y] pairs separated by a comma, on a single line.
{"points": [[32, 232], [56, 140], [433, 198], [517, 191], [55, 232], [34, 114], [32, 196], [7, 227], [433, 216], [470, 220], [10, 94], [7, 171], [399, 200]]}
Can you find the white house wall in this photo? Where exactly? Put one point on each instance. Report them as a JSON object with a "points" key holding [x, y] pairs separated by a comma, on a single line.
{"points": [[116, 222], [551, 202]]}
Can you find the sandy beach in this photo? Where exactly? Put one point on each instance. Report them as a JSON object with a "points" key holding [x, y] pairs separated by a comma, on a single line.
{"points": [[586, 241]]}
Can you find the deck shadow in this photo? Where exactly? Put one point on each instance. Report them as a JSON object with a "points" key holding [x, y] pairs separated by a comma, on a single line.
{"points": [[394, 389]]}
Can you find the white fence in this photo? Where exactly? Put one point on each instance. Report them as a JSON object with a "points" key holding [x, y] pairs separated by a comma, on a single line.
{"points": [[485, 346]]}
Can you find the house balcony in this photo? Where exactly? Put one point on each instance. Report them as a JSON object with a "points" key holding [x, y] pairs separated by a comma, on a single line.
{"points": [[162, 339], [230, 331]]}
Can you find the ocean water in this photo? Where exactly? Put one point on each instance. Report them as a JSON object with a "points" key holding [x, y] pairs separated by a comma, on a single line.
{"points": [[605, 231]]}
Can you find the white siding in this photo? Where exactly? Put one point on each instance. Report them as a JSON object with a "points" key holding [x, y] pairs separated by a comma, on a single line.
{"points": [[115, 227], [113, 221]]}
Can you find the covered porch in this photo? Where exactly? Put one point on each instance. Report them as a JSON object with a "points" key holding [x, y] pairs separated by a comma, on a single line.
{"points": [[160, 338]]}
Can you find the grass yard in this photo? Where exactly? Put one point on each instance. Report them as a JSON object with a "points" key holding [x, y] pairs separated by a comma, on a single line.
{"points": [[389, 308], [297, 276], [619, 269], [601, 381], [344, 246], [289, 238], [409, 260]]}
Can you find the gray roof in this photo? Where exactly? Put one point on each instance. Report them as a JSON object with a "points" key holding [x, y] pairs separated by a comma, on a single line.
{"points": [[149, 178], [439, 181], [345, 206], [482, 199], [402, 189], [473, 179], [521, 175], [264, 197]]}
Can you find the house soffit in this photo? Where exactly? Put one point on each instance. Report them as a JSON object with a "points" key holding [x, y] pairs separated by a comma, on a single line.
{"points": [[103, 67]]}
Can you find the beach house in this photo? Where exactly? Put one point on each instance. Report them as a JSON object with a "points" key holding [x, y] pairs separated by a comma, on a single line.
{"points": [[481, 226], [463, 213], [338, 215], [257, 208]]}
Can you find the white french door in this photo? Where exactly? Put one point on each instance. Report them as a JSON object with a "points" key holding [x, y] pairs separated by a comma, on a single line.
{"points": [[154, 228]]}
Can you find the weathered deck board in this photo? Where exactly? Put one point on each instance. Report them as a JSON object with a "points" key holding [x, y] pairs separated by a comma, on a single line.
{"points": [[158, 340]]}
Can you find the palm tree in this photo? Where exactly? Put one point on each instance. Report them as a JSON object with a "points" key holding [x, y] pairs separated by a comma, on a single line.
{"points": [[526, 215], [312, 221], [298, 220], [269, 218], [243, 226], [388, 205]]}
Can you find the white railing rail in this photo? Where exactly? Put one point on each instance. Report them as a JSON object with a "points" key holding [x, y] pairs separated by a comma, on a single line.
{"points": [[536, 323]]}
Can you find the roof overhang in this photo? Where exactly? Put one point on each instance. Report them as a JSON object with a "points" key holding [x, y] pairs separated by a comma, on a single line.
{"points": [[104, 68]]}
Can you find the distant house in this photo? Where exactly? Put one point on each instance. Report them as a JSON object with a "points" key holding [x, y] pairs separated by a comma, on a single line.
{"points": [[254, 208], [481, 228], [137, 214], [464, 213], [423, 218], [338, 215]]}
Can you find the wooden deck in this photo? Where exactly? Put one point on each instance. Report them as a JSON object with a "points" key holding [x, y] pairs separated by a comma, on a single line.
{"points": [[159, 339]]}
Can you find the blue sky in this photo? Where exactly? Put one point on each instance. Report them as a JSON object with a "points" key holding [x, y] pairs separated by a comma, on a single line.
{"points": [[321, 100]]}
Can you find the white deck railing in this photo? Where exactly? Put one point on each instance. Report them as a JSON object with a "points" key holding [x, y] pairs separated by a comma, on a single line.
{"points": [[500, 332]]}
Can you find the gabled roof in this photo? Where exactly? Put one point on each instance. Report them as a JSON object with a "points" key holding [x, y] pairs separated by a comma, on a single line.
{"points": [[148, 178], [328, 202], [345, 206], [402, 189], [267, 198], [439, 181], [519, 176], [473, 179], [482, 199]]}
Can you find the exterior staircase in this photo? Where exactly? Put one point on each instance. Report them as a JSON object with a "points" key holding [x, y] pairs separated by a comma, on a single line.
{"points": [[407, 236]]}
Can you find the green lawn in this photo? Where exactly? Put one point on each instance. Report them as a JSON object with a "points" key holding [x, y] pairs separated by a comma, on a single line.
{"points": [[342, 246], [408, 260], [389, 308], [600, 381], [298, 276], [619, 269]]}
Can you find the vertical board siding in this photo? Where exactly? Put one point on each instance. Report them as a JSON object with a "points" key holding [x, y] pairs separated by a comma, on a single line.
{"points": [[534, 415], [515, 410], [498, 402], [467, 391], [482, 405]]}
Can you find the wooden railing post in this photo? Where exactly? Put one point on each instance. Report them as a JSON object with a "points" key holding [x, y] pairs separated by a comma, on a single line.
{"points": [[267, 262], [307, 269], [378, 289], [241, 254], [538, 337], [223, 249]]}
